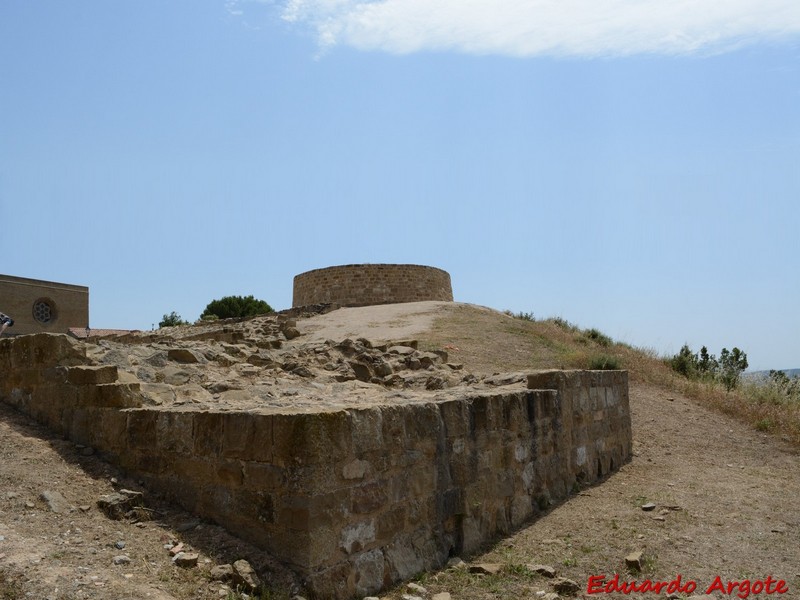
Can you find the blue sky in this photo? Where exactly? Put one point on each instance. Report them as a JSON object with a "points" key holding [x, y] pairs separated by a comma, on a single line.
{"points": [[629, 165]]}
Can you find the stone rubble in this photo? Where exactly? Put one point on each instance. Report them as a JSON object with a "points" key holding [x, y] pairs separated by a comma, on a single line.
{"points": [[264, 362]]}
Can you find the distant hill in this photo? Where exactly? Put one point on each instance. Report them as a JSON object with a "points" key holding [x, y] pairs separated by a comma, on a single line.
{"points": [[765, 374]]}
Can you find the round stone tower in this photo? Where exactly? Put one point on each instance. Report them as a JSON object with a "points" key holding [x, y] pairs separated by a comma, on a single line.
{"points": [[364, 285]]}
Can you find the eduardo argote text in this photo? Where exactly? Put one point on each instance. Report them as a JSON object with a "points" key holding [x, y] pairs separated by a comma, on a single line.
{"points": [[600, 584]]}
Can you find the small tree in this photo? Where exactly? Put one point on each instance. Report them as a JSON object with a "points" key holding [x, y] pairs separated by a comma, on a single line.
{"points": [[171, 320], [731, 365], [685, 362], [727, 370], [707, 364], [230, 307]]}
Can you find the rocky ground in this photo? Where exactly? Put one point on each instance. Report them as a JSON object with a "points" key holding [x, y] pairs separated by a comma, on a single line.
{"points": [[277, 363], [725, 499]]}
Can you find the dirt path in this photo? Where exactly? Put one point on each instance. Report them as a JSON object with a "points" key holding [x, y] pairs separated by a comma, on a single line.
{"points": [[384, 322]]}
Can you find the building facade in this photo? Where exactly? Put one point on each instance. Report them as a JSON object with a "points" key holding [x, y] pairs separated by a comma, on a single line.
{"points": [[43, 306]]}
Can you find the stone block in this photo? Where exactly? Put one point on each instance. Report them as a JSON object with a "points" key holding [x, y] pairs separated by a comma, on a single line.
{"points": [[369, 497], [451, 503], [255, 509], [182, 355], [207, 433], [111, 395], [82, 425], [261, 476], [550, 379], [148, 462], [391, 522], [368, 572], [111, 430], [421, 480], [157, 394], [261, 440], [356, 469], [319, 438], [142, 428], [394, 427], [237, 432], [336, 581], [403, 561], [357, 536], [195, 470], [521, 510], [230, 473], [174, 432], [367, 429], [91, 375], [455, 415]]}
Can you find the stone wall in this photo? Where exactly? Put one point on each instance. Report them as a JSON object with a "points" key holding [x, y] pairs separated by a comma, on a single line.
{"points": [[353, 500], [364, 285], [43, 306]]}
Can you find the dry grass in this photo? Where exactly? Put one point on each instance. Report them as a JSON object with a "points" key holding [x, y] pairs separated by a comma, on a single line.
{"points": [[754, 404], [518, 343]]}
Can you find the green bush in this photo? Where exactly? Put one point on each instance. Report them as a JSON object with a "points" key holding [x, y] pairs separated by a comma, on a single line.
{"points": [[563, 324], [171, 320], [765, 424], [236, 306], [731, 366], [604, 362], [685, 362], [599, 337], [704, 366], [525, 316]]}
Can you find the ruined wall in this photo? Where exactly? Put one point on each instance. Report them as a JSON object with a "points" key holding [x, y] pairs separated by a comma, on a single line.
{"points": [[356, 499], [43, 306], [364, 285]]}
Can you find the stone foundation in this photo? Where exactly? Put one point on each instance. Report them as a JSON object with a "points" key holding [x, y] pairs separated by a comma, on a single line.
{"points": [[353, 500]]}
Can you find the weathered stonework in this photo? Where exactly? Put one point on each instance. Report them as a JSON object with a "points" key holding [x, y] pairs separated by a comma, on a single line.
{"points": [[352, 499], [43, 306], [364, 285]]}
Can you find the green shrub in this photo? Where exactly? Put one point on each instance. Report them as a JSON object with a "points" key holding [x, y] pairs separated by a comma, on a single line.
{"points": [[731, 366], [604, 362], [765, 424], [525, 316], [704, 366], [685, 362], [236, 306], [171, 320], [563, 324], [599, 337]]}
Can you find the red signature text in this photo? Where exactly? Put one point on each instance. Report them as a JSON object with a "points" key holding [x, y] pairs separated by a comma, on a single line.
{"points": [[599, 584]]}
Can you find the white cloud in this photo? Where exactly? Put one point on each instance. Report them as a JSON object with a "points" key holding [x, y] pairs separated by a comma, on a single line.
{"points": [[546, 27]]}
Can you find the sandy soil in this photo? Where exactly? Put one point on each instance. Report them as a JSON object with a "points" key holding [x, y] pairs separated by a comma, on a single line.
{"points": [[384, 322]]}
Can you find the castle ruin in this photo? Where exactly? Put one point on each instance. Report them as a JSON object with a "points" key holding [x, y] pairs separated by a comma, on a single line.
{"points": [[355, 463]]}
